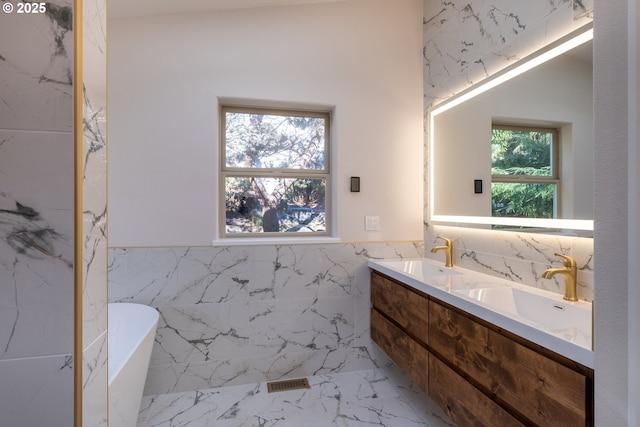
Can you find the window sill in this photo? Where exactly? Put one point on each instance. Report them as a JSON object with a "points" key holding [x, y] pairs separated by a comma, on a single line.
{"points": [[250, 241]]}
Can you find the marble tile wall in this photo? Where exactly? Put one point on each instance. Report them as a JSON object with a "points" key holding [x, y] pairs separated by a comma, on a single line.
{"points": [[36, 216], [465, 42], [94, 208], [519, 257], [235, 315]]}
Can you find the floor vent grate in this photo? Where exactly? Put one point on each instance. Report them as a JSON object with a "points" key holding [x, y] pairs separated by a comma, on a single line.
{"points": [[285, 385]]}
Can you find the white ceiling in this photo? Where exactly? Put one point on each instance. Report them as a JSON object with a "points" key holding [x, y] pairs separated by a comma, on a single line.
{"points": [[127, 8]]}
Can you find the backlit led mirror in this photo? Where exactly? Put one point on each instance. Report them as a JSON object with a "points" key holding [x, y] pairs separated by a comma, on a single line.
{"points": [[515, 151]]}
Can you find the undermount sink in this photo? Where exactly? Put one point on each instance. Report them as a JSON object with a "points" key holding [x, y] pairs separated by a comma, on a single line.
{"points": [[570, 320], [420, 268]]}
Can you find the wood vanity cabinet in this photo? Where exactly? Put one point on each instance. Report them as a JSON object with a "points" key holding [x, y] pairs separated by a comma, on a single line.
{"points": [[399, 325], [461, 401], [410, 356], [477, 373], [405, 306]]}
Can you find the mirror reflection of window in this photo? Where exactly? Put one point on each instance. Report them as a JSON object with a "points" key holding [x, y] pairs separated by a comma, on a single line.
{"points": [[524, 172], [558, 94]]}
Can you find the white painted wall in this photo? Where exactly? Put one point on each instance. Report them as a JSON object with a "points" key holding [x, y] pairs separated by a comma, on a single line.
{"points": [[613, 228], [634, 212], [166, 73]]}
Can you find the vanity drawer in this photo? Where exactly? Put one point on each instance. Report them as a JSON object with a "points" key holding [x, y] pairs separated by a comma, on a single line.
{"points": [[407, 308], [462, 402], [543, 390], [410, 356]]}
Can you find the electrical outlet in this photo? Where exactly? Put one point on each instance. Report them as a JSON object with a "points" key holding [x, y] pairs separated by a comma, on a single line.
{"points": [[372, 223]]}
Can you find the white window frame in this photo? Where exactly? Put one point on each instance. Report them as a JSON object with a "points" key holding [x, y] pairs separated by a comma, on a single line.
{"points": [[228, 171]]}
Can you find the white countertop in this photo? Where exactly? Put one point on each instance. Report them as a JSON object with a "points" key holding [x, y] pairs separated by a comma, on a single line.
{"points": [[449, 285]]}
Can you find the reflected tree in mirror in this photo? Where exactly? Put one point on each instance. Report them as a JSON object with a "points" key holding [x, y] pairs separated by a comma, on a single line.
{"points": [[524, 181]]}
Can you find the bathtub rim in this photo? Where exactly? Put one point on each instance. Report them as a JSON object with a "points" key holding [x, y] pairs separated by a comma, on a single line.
{"points": [[114, 366]]}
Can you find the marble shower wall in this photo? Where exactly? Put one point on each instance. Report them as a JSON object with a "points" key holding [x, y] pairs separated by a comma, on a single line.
{"points": [[36, 216], [236, 315], [94, 208], [465, 42]]}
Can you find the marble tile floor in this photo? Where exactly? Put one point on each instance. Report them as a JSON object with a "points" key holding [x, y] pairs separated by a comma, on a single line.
{"points": [[380, 397]]}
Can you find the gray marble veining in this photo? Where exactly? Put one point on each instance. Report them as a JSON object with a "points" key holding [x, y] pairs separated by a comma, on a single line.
{"points": [[36, 248], [46, 73], [379, 397], [468, 41], [94, 209], [235, 315], [36, 216], [519, 257]]}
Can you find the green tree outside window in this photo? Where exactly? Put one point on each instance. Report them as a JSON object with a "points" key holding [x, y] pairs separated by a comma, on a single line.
{"points": [[524, 174]]}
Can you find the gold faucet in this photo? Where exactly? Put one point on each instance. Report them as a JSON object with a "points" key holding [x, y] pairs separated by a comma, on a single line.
{"points": [[569, 271], [448, 250]]}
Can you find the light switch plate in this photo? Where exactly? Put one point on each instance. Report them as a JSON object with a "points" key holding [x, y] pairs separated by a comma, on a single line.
{"points": [[372, 223]]}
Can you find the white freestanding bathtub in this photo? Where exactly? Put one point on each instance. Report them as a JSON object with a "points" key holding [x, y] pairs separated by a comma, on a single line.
{"points": [[132, 330]]}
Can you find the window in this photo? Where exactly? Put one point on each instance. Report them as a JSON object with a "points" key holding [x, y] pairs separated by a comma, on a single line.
{"points": [[524, 172], [275, 171]]}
